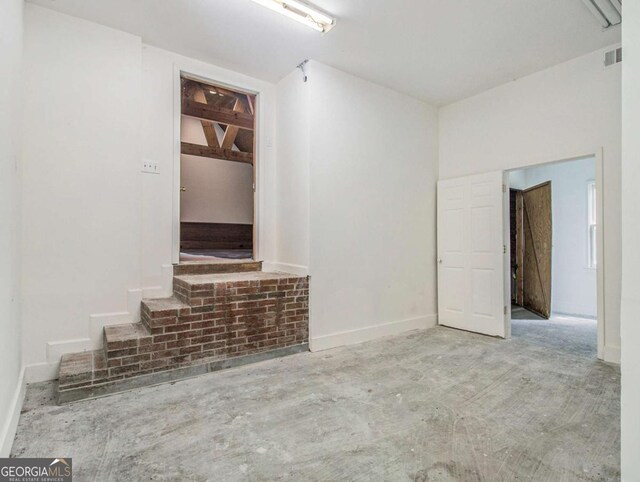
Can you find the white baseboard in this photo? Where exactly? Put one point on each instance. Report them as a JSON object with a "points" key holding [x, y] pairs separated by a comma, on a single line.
{"points": [[55, 349], [93, 340], [575, 315], [167, 280], [154, 292], [41, 372], [369, 333], [612, 354], [134, 298], [286, 267], [97, 323], [12, 417]]}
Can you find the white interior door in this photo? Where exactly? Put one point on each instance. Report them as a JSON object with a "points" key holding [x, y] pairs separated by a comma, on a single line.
{"points": [[471, 254]]}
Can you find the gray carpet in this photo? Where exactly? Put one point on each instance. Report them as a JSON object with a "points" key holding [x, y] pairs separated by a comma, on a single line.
{"points": [[204, 254], [439, 405], [571, 335]]}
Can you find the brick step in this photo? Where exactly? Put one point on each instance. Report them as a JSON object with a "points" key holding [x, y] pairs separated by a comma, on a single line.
{"points": [[129, 335], [82, 369], [126, 346], [156, 313], [218, 266], [212, 320], [198, 290]]}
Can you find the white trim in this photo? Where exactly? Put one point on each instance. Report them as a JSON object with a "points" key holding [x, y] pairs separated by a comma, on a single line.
{"points": [[258, 183], [575, 315], [134, 298], [55, 349], [611, 354], [286, 267], [592, 192], [12, 417], [177, 117], [600, 265], [506, 259], [98, 322], [41, 372], [373, 332], [214, 77]]}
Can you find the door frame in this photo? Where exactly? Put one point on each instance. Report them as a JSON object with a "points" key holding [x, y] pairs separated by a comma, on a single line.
{"points": [[209, 78], [518, 285], [600, 223]]}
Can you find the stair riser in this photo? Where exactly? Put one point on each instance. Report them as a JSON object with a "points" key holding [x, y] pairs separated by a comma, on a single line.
{"points": [[214, 268], [111, 346], [237, 291], [81, 370]]}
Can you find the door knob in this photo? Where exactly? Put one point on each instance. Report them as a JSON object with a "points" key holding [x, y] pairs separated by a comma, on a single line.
{"points": [[183, 189], [440, 261]]}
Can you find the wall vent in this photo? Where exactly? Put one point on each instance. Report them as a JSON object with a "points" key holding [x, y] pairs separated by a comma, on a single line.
{"points": [[613, 57]]}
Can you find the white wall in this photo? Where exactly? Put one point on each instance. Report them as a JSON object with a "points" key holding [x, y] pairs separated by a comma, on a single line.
{"points": [[373, 169], [574, 285], [630, 242], [81, 202], [216, 191], [567, 111], [11, 385], [518, 179], [293, 144], [97, 233]]}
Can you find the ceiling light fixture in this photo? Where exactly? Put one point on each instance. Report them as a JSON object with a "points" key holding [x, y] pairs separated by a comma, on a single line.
{"points": [[608, 12], [301, 12]]}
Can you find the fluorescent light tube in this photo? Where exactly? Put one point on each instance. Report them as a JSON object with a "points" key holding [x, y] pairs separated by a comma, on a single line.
{"points": [[312, 12], [617, 4], [608, 12], [300, 12]]}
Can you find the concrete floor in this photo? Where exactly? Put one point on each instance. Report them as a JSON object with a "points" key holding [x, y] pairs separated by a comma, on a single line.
{"points": [[440, 405]]}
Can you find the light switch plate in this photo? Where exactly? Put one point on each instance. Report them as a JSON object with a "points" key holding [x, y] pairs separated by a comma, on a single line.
{"points": [[150, 167]]}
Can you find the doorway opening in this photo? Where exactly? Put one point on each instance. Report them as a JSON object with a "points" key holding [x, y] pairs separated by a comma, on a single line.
{"points": [[217, 172], [553, 255]]}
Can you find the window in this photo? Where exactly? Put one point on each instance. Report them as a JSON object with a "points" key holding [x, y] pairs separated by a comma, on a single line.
{"points": [[591, 219]]}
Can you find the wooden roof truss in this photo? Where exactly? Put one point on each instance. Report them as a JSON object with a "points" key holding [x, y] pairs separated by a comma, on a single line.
{"points": [[227, 118]]}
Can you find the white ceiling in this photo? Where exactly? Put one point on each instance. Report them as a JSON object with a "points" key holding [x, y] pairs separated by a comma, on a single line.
{"points": [[436, 50]]}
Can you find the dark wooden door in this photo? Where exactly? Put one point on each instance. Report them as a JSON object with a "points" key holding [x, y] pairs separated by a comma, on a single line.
{"points": [[517, 245], [537, 249]]}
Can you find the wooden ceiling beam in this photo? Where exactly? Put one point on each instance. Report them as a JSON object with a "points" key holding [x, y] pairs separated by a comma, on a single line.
{"points": [[189, 84], [250, 104], [217, 114], [194, 92], [216, 153], [231, 133], [210, 134], [207, 126]]}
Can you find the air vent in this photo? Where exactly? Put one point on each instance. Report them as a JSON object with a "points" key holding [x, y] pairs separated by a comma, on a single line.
{"points": [[613, 57]]}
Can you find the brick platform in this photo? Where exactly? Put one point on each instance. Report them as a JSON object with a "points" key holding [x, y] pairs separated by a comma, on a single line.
{"points": [[213, 321]]}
